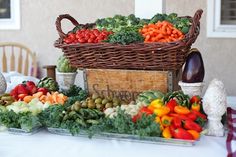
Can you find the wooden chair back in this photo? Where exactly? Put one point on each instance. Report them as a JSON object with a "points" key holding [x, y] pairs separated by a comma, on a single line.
{"points": [[17, 57]]}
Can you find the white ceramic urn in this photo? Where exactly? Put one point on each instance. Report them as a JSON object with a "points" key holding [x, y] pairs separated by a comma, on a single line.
{"points": [[3, 84], [65, 80], [191, 89]]}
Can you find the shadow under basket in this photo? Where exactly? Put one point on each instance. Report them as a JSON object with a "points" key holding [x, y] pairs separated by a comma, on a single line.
{"points": [[138, 56]]}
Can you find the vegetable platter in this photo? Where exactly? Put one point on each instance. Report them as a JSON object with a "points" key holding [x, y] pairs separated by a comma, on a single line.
{"points": [[154, 117], [20, 109], [128, 42], [173, 118]]}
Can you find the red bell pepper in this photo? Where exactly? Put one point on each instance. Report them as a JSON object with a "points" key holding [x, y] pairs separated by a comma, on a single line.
{"points": [[181, 116], [192, 116], [180, 133], [195, 99], [198, 114], [191, 125], [146, 110], [135, 118], [171, 104], [177, 122], [143, 110]]}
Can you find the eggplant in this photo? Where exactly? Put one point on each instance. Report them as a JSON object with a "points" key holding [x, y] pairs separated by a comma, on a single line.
{"points": [[194, 68]]}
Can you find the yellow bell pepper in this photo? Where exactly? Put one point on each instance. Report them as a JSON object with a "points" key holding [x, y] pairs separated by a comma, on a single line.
{"points": [[166, 133], [166, 120], [161, 111], [155, 104]]}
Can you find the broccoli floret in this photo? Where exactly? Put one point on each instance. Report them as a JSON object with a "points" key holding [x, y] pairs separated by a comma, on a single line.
{"points": [[119, 18], [122, 23], [173, 15], [132, 20], [98, 21], [109, 19], [132, 23], [144, 21], [185, 29], [157, 17], [131, 17], [185, 20]]}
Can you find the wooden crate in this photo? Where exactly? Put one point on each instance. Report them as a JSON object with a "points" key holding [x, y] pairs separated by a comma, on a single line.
{"points": [[127, 84]]}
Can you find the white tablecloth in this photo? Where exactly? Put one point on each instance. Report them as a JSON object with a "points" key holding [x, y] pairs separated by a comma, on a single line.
{"points": [[44, 144]]}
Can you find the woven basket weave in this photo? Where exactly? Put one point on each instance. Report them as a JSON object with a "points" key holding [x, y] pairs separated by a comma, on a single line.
{"points": [[139, 56]]}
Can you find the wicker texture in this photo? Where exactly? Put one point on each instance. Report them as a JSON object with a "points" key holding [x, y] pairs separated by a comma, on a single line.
{"points": [[139, 56]]}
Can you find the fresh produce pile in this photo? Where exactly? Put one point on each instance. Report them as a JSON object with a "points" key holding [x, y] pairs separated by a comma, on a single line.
{"points": [[130, 29], [28, 91], [87, 36], [21, 108], [174, 115], [171, 115], [161, 32]]}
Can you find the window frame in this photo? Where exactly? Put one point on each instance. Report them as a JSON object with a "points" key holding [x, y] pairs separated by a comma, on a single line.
{"points": [[12, 23], [214, 28]]}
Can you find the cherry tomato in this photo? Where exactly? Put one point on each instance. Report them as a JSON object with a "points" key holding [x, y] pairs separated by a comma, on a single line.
{"points": [[104, 33], [90, 40], [71, 36], [96, 33], [67, 40], [100, 37], [87, 36], [77, 36], [95, 40], [81, 40], [92, 36]]}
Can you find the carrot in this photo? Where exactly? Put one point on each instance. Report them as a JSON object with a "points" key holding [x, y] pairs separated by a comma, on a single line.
{"points": [[147, 37], [38, 94], [168, 31], [28, 98]]}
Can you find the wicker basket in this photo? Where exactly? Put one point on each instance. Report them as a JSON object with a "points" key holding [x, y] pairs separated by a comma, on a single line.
{"points": [[141, 56]]}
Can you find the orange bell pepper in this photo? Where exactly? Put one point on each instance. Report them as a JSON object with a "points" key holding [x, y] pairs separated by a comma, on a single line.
{"points": [[194, 133], [166, 120], [195, 106], [181, 110]]}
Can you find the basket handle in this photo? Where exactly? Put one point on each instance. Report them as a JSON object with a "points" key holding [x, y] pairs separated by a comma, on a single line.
{"points": [[196, 21], [58, 23]]}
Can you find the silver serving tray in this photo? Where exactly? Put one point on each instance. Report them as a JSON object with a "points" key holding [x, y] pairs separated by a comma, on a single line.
{"points": [[127, 137], [18, 131]]}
